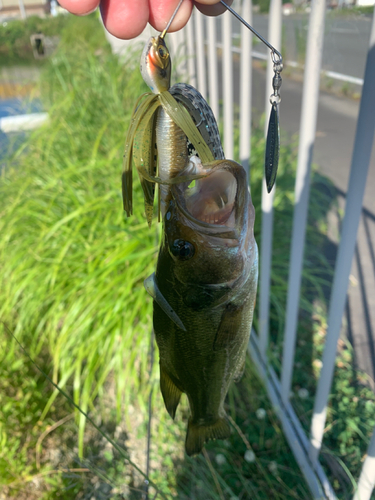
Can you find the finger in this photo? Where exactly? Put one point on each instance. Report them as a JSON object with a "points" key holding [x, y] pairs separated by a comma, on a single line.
{"points": [[211, 7], [161, 11], [207, 2], [125, 19], [79, 7]]}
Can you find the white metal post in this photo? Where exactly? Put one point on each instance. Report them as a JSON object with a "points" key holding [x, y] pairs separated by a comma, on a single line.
{"points": [[227, 83], [200, 53], [22, 9], [274, 37], [246, 87], [366, 481], [309, 114], [213, 84], [192, 78], [358, 174], [173, 49], [315, 477], [180, 55]]}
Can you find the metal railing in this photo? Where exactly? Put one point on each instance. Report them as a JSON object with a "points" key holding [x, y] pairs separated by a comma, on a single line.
{"points": [[202, 69]]}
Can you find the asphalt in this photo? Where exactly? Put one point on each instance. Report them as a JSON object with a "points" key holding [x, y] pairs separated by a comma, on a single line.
{"points": [[345, 40]]}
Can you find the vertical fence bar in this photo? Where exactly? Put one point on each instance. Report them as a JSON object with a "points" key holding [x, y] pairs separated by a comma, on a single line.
{"points": [[245, 88], [190, 49], [274, 37], [366, 481], [200, 53], [315, 477], [309, 114], [212, 65], [358, 174], [172, 42], [180, 56], [227, 83], [184, 53], [22, 9]]}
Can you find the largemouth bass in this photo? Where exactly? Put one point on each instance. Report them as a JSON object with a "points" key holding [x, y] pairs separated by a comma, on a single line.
{"points": [[205, 283], [204, 293]]}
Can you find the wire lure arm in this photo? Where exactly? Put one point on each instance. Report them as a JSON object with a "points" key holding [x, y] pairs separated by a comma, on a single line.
{"points": [[273, 134], [164, 32], [261, 38]]}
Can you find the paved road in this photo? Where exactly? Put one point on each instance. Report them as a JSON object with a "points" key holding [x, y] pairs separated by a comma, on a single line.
{"points": [[345, 41]]}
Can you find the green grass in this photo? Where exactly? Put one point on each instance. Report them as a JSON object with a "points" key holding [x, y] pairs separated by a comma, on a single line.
{"points": [[71, 273], [15, 46]]}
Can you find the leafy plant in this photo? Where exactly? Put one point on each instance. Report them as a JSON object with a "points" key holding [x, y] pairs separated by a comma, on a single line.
{"points": [[15, 45]]}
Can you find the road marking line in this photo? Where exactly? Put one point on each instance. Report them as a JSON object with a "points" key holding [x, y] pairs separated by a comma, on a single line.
{"points": [[295, 64]]}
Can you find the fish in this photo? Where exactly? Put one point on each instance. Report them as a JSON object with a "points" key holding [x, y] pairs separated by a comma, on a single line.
{"points": [[205, 283], [204, 291]]}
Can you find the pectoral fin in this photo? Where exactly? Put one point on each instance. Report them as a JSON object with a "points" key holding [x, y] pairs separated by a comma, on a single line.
{"points": [[153, 290], [171, 393]]}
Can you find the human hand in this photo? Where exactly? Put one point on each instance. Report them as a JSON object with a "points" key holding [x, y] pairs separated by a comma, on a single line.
{"points": [[126, 19]]}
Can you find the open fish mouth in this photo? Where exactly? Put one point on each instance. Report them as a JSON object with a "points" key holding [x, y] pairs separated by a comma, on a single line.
{"points": [[211, 199]]}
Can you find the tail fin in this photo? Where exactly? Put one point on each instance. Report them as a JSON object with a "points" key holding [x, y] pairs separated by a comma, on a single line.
{"points": [[197, 434]]}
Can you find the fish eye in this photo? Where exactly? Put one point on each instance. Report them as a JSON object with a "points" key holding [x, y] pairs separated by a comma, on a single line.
{"points": [[162, 52], [182, 249]]}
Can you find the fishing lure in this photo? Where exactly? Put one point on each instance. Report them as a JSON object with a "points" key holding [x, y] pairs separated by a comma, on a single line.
{"points": [[158, 118], [273, 135], [182, 107]]}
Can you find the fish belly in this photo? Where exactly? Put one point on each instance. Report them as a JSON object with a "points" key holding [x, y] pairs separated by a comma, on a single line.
{"points": [[193, 362]]}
